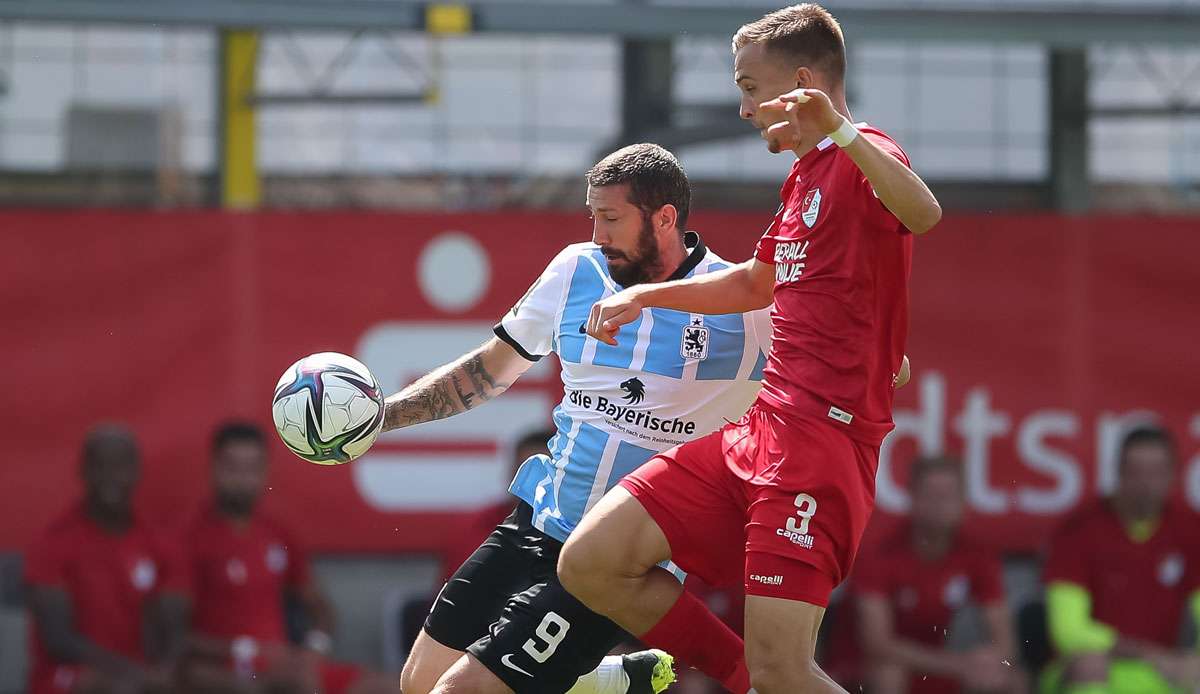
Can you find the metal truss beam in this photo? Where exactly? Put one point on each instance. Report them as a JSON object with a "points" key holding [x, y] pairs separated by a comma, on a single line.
{"points": [[1065, 27]]}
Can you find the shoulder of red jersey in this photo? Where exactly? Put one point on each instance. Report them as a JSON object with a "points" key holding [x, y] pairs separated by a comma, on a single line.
{"points": [[273, 526], [883, 141], [1085, 518], [70, 520]]}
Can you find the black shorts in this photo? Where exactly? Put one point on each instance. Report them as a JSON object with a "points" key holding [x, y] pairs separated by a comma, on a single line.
{"points": [[536, 636]]}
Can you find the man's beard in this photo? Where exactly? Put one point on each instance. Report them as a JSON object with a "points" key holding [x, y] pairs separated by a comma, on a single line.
{"points": [[238, 505], [647, 263]]}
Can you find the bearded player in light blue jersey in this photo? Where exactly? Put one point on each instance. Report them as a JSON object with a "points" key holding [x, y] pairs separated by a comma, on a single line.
{"points": [[503, 623]]}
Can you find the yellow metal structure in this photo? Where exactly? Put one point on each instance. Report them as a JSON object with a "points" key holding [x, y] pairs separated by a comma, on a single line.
{"points": [[241, 187], [447, 19]]}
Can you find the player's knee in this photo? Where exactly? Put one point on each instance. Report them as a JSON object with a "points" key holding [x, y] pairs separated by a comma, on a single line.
{"points": [[416, 679], [784, 676], [580, 572], [470, 675], [1088, 667]]}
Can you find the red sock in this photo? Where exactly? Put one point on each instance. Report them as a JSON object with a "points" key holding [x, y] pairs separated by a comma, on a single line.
{"points": [[691, 632]]}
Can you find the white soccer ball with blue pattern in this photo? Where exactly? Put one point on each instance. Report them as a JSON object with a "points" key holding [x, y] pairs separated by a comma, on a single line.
{"points": [[328, 408]]}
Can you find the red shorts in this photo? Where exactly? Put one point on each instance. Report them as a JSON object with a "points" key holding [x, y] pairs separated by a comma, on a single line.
{"points": [[778, 504]]}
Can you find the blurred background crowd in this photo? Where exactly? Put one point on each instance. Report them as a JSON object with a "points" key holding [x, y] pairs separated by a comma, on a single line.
{"points": [[194, 195]]}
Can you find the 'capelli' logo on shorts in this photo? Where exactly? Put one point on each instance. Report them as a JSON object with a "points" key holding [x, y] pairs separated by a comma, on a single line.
{"points": [[768, 580]]}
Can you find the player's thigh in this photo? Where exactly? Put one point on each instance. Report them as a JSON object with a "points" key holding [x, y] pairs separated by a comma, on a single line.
{"points": [[426, 664], [616, 537], [781, 637], [545, 640], [469, 676]]}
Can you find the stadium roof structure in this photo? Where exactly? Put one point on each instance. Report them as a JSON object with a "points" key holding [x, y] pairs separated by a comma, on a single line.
{"points": [[1065, 25]]}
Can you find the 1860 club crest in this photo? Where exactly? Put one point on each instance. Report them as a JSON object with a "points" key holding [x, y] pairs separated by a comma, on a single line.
{"points": [[694, 344]]}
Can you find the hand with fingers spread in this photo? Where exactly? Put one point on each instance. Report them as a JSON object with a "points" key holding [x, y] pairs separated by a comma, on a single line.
{"points": [[802, 115], [610, 314]]}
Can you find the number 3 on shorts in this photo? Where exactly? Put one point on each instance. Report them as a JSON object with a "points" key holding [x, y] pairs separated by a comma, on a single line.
{"points": [[806, 508], [552, 630]]}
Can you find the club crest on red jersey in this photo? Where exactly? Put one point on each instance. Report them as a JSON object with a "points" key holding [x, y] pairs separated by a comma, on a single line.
{"points": [[811, 207]]}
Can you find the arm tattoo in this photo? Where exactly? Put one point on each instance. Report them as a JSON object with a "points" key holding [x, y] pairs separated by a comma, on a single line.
{"points": [[465, 398], [484, 383], [442, 394]]}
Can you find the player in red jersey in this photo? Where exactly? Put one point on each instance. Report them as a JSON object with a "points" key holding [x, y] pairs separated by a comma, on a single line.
{"points": [[780, 499], [97, 577], [1121, 575], [910, 588], [242, 567]]}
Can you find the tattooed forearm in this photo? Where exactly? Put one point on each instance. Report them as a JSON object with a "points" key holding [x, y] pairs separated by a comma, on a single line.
{"points": [[450, 390], [464, 398], [420, 402], [484, 384]]}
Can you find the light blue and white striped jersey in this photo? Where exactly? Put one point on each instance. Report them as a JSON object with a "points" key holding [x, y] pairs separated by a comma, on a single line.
{"points": [[671, 378]]}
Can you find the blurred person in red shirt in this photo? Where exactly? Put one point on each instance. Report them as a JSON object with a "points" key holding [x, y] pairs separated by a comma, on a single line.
{"points": [[1120, 576], [909, 589], [244, 566], [105, 589], [484, 520]]}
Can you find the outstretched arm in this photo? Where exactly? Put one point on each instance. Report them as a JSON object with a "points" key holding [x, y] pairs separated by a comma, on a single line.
{"points": [[898, 187], [461, 385], [744, 287]]}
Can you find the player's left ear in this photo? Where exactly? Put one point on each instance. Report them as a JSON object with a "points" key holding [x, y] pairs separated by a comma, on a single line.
{"points": [[664, 219], [804, 78]]}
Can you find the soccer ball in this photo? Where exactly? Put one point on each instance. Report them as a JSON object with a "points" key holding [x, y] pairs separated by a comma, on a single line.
{"points": [[328, 408]]}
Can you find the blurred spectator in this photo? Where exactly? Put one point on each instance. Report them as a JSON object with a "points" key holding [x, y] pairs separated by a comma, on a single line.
{"points": [[108, 609], [478, 527], [909, 590], [244, 568], [485, 520], [1119, 576]]}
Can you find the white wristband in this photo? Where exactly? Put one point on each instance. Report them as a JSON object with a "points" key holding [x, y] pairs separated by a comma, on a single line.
{"points": [[845, 134]]}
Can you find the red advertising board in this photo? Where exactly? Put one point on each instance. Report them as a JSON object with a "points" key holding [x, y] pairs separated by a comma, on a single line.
{"points": [[1035, 340]]}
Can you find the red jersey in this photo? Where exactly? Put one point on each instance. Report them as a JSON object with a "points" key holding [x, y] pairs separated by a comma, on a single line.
{"points": [[1138, 588], [109, 577], [239, 576], [840, 317], [924, 594]]}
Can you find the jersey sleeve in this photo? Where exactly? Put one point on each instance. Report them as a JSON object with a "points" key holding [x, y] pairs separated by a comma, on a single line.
{"points": [[170, 551], [529, 325], [870, 197], [765, 250], [46, 563], [1067, 559], [299, 571], [987, 579], [871, 576]]}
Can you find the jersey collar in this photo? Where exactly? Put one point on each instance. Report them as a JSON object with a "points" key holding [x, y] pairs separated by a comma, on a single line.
{"points": [[692, 241]]}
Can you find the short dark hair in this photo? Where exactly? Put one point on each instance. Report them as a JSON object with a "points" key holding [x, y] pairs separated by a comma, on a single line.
{"points": [[108, 434], [234, 431], [654, 175], [926, 465], [805, 33], [538, 437], [1145, 434]]}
